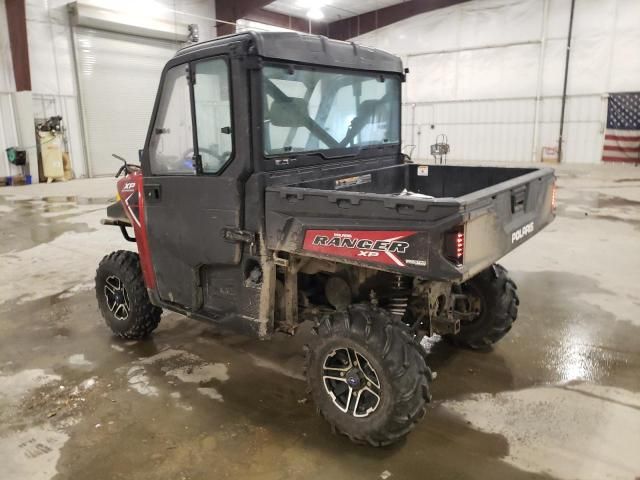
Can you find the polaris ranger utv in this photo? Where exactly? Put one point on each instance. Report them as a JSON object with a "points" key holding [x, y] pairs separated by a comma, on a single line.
{"points": [[272, 191]]}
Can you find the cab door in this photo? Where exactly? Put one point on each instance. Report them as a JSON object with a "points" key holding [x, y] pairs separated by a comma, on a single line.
{"points": [[192, 193]]}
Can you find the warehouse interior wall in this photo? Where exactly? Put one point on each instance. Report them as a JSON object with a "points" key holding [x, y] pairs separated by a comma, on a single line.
{"points": [[50, 27], [489, 75]]}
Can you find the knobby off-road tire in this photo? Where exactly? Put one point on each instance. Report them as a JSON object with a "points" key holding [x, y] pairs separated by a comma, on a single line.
{"points": [[122, 296], [498, 309], [383, 346]]}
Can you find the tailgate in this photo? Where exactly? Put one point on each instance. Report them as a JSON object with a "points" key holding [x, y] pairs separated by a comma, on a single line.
{"points": [[407, 234], [500, 218]]}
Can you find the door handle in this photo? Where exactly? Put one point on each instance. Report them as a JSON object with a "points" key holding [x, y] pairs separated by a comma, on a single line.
{"points": [[237, 235], [152, 193]]}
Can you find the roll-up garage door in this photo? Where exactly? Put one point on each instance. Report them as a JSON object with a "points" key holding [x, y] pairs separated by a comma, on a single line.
{"points": [[119, 75]]}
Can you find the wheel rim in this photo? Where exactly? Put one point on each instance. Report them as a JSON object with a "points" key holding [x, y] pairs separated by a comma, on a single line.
{"points": [[117, 298], [351, 382]]}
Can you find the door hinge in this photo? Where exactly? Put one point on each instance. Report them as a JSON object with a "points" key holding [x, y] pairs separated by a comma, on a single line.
{"points": [[253, 62], [237, 235]]}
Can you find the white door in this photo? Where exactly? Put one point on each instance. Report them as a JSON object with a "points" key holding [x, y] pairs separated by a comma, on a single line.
{"points": [[119, 76]]}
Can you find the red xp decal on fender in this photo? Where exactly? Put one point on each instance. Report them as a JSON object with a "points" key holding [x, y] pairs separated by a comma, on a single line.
{"points": [[386, 247]]}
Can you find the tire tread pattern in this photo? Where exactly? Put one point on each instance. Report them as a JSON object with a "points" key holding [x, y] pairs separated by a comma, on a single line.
{"points": [[501, 299], [145, 315], [401, 356]]}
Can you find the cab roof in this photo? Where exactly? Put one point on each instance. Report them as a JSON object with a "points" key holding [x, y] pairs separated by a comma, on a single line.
{"points": [[301, 48]]}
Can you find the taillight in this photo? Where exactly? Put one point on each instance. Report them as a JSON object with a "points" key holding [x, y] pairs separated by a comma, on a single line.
{"points": [[554, 197], [454, 245]]}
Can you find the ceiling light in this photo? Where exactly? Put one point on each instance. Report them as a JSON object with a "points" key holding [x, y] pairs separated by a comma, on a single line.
{"points": [[315, 14]]}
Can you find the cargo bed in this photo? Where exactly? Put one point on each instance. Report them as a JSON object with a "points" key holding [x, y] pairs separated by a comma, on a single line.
{"points": [[494, 208], [435, 180]]}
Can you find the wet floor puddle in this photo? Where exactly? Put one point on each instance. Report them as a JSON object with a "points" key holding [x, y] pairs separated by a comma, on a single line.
{"points": [[34, 221]]}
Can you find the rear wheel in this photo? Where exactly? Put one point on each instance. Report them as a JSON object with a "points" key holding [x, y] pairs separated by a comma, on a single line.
{"points": [[122, 296], [495, 297], [367, 375]]}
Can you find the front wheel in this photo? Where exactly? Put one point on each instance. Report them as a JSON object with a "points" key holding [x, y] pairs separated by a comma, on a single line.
{"points": [[122, 296], [367, 375], [497, 302]]}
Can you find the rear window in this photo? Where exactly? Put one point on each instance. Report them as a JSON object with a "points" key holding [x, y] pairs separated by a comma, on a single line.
{"points": [[307, 109]]}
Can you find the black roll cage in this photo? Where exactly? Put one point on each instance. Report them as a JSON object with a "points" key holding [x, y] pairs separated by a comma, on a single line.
{"points": [[246, 53]]}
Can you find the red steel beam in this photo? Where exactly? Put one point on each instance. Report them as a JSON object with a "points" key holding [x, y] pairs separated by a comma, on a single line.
{"points": [[367, 22], [232, 10], [17, 21]]}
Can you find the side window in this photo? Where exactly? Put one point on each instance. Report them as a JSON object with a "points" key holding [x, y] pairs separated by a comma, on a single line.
{"points": [[212, 102], [171, 146]]}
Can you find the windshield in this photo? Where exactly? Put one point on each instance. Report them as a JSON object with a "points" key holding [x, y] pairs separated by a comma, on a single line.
{"points": [[308, 110]]}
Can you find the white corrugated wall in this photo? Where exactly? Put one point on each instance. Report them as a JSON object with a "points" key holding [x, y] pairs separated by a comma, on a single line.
{"points": [[119, 76], [489, 74], [502, 130]]}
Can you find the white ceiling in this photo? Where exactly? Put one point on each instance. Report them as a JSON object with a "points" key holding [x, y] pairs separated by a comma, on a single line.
{"points": [[333, 9]]}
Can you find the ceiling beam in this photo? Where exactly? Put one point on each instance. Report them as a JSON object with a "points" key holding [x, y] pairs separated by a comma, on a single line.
{"points": [[232, 10], [17, 22], [367, 22], [287, 21]]}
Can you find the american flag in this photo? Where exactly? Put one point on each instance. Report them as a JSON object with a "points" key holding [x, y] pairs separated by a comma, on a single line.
{"points": [[622, 137]]}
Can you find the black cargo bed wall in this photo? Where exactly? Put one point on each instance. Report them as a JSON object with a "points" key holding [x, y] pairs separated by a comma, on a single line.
{"points": [[301, 177], [451, 181], [383, 181], [440, 182]]}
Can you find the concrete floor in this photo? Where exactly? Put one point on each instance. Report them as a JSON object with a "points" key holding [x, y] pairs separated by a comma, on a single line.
{"points": [[559, 397]]}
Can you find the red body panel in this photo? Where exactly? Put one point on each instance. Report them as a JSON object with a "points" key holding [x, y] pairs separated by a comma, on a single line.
{"points": [[132, 198], [384, 247]]}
